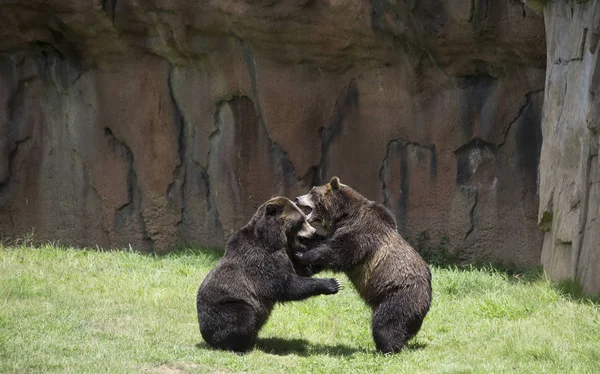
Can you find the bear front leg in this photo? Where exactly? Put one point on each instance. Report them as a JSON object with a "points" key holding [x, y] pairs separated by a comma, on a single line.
{"points": [[338, 258], [341, 253], [319, 255], [300, 288]]}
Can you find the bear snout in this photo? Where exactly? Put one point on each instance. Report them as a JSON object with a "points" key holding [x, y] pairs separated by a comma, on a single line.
{"points": [[307, 231], [303, 202]]}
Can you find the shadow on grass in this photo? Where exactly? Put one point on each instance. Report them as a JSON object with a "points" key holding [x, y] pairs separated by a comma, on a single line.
{"points": [[415, 345], [300, 347], [571, 289], [304, 348]]}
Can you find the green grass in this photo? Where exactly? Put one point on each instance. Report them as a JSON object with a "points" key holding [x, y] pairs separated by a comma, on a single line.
{"points": [[67, 310]]}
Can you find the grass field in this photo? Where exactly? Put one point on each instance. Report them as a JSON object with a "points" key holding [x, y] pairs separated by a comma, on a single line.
{"points": [[67, 310]]}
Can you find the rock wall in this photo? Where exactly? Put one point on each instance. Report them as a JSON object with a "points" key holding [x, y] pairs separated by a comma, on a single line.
{"points": [[569, 210], [156, 123]]}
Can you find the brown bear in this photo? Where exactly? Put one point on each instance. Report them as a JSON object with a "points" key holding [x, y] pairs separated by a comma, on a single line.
{"points": [[236, 298], [362, 241]]}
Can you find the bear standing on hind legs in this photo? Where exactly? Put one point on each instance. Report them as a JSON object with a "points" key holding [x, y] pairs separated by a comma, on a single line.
{"points": [[236, 298], [362, 241]]}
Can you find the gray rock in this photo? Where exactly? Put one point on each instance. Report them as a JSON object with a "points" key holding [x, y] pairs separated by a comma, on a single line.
{"points": [[569, 193]]}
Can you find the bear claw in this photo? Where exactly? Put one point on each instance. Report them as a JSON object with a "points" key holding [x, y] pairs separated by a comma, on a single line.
{"points": [[336, 285]]}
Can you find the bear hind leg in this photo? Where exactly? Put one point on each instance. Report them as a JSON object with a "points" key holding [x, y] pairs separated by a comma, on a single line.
{"points": [[390, 336], [393, 326], [232, 328]]}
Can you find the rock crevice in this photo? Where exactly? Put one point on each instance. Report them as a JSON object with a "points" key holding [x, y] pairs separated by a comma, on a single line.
{"points": [[188, 116]]}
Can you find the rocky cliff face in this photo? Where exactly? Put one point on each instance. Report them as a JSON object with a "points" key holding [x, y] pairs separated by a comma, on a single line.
{"points": [[162, 122], [569, 210]]}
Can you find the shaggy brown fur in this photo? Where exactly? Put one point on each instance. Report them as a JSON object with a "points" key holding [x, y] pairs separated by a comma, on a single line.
{"points": [[363, 242], [236, 298]]}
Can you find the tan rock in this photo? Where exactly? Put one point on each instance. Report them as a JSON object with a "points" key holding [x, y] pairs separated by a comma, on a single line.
{"points": [[160, 123]]}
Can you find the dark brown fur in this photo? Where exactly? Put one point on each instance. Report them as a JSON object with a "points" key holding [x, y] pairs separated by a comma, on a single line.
{"points": [[363, 242], [237, 296], [303, 245]]}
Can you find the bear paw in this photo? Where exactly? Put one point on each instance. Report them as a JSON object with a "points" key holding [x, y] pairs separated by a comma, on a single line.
{"points": [[300, 256], [334, 286]]}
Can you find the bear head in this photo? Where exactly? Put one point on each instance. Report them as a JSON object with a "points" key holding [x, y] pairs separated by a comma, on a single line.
{"points": [[279, 222], [328, 203]]}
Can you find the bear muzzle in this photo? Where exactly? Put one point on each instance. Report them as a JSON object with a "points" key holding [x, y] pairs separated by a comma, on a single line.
{"points": [[305, 203], [307, 231]]}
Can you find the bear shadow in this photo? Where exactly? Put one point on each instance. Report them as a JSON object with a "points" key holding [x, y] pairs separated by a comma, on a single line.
{"points": [[415, 345], [304, 348], [300, 347]]}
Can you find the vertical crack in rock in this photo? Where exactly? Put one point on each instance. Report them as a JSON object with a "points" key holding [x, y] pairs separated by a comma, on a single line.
{"points": [[81, 72], [475, 194], [251, 65], [593, 44], [472, 161], [478, 12], [584, 211], [109, 8], [134, 198], [180, 171], [525, 133], [4, 184], [399, 150], [383, 172], [280, 159], [471, 11], [404, 190], [12, 154], [433, 164], [487, 8], [580, 47], [211, 204], [345, 103], [13, 140], [131, 177], [184, 170], [522, 110], [12, 221], [524, 7]]}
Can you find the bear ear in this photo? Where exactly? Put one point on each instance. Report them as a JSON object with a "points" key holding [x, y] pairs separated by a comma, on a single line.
{"points": [[273, 196], [271, 209], [335, 183]]}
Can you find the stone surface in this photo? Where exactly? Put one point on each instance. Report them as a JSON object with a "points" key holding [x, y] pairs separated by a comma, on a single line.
{"points": [[569, 168], [161, 123]]}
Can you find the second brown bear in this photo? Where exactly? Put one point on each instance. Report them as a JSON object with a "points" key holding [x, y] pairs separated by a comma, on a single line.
{"points": [[363, 241]]}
